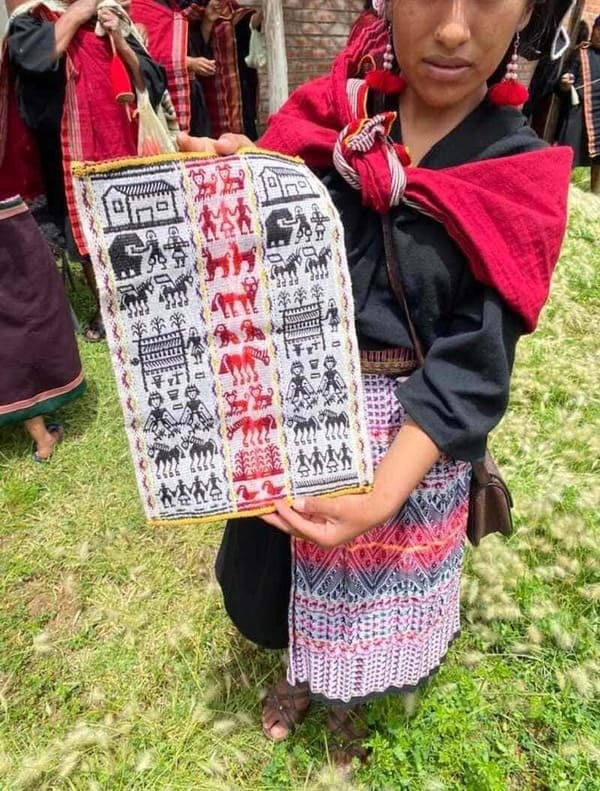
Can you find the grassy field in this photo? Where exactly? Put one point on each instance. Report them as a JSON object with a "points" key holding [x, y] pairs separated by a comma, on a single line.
{"points": [[120, 670]]}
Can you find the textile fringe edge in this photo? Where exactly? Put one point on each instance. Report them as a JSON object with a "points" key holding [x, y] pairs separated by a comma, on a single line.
{"points": [[81, 169], [267, 509]]}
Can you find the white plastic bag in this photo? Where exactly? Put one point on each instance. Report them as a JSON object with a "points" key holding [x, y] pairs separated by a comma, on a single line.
{"points": [[153, 136], [257, 50]]}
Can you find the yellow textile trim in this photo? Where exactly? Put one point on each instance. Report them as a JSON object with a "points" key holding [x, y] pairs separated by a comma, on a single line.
{"points": [[267, 509], [81, 169]]}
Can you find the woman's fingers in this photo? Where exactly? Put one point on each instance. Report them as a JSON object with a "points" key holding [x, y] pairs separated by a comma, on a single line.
{"points": [[200, 145], [225, 145], [317, 508], [230, 144], [276, 521], [303, 527]]}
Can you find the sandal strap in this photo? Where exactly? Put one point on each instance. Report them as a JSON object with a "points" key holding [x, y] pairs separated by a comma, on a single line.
{"points": [[286, 713], [348, 724], [285, 703]]}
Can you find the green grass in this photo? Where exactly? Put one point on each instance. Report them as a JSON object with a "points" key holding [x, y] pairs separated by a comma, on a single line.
{"points": [[120, 670]]}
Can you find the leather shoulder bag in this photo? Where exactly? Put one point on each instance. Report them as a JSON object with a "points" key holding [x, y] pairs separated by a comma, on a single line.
{"points": [[490, 501]]}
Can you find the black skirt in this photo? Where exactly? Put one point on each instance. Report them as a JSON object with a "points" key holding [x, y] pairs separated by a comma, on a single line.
{"points": [[253, 568]]}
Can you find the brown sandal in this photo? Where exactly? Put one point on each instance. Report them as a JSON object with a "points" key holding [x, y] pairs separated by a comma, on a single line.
{"points": [[288, 705], [348, 731]]}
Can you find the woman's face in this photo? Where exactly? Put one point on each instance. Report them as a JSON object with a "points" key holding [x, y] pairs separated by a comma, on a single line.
{"points": [[447, 49]]}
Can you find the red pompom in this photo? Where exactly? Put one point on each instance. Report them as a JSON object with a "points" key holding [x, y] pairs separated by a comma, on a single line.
{"points": [[508, 92], [121, 82], [384, 81]]}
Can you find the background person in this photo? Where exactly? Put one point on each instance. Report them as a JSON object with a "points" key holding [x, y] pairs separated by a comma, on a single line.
{"points": [[165, 33], [581, 123], [219, 41], [543, 85], [70, 113], [39, 360]]}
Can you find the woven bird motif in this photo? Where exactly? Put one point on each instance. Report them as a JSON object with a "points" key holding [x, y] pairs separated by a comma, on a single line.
{"points": [[227, 300]]}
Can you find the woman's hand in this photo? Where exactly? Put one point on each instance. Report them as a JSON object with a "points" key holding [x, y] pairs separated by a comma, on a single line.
{"points": [[567, 81], [67, 25], [201, 67], [225, 145], [109, 21], [256, 19], [332, 522], [329, 522]]}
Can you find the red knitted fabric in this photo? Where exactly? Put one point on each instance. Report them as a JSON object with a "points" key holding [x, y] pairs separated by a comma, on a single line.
{"points": [[508, 216]]}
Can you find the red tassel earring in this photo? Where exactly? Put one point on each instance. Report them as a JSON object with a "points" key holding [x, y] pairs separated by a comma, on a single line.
{"points": [[383, 80], [510, 91]]}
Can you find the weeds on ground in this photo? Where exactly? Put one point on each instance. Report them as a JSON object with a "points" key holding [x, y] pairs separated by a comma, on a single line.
{"points": [[120, 670]]}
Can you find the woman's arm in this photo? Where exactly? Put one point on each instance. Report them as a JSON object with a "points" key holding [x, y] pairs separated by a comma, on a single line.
{"points": [[37, 46], [153, 74], [333, 522]]}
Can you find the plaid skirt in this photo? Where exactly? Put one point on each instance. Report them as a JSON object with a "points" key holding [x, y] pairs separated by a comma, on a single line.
{"points": [[376, 615]]}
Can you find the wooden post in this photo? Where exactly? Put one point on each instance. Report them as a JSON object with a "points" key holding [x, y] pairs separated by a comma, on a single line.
{"points": [[276, 53]]}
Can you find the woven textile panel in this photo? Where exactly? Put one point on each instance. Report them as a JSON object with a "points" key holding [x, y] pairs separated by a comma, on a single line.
{"points": [[227, 302]]}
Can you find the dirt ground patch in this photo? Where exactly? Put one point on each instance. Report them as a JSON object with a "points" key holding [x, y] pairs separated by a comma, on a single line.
{"points": [[61, 600]]}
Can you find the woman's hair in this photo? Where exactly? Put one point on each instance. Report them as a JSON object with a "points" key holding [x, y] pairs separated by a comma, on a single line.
{"points": [[583, 32], [538, 36]]}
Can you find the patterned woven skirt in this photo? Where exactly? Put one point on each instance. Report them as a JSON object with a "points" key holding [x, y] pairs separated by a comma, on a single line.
{"points": [[374, 616], [378, 614], [39, 359]]}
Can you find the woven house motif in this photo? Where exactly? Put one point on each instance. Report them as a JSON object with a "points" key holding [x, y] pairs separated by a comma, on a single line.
{"points": [[283, 185], [140, 205]]}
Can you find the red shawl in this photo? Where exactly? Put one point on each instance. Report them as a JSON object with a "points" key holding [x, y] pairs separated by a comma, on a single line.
{"points": [[223, 92], [94, 126], [507, 215], [167, 31]]}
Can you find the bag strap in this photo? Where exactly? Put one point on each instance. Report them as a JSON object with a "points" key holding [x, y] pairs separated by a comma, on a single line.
{"points": [[393, 271]]}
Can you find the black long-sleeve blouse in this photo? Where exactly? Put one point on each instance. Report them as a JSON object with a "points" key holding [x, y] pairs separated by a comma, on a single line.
{"points": [[469, 333]]}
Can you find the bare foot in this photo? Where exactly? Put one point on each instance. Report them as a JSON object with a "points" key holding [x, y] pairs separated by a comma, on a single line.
{"points": [[95, 331], [45, 438], [284, 707]]}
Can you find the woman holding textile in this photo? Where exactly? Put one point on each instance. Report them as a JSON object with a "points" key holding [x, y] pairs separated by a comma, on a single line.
{"points": [[364, 590]]}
